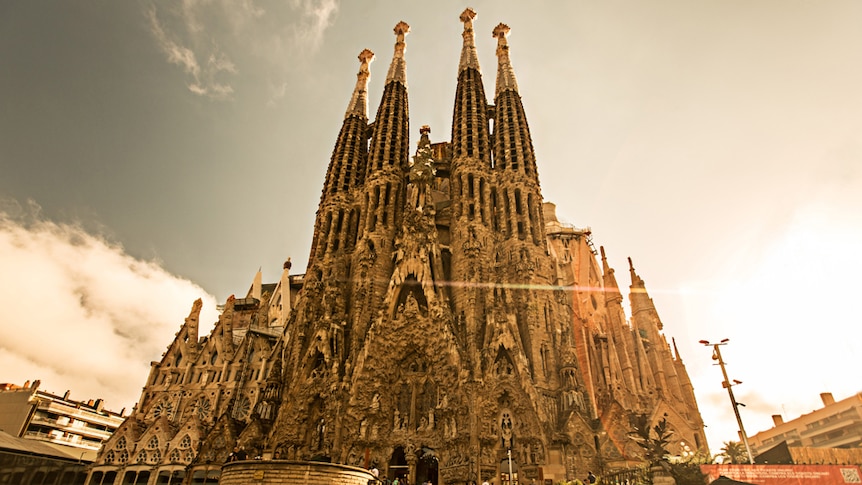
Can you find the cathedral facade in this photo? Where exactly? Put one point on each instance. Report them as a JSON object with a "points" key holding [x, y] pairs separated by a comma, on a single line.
{"points": [[447, 327]]}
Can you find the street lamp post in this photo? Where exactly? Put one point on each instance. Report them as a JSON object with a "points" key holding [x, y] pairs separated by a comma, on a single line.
{"points": [[509, 454], [716, 355]]}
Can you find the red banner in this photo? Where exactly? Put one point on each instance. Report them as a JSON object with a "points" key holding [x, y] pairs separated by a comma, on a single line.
{"points": [[786, 474]]}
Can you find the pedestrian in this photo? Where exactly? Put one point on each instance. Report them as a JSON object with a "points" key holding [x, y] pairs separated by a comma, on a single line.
{"points": [[237, 454], [590, 477]]}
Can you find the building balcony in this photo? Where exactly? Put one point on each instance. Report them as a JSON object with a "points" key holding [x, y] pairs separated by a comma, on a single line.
{"points": [[846, 441], [112, 422], [850, 422], [59, 425], [69, 440]]}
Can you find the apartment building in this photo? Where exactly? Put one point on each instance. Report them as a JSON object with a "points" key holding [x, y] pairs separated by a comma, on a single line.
{"points": [[30, 413]]}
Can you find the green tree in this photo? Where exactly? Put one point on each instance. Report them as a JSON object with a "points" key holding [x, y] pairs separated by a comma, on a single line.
{"points": [[688, 472], [735, 452], [655, 447], [654, 441]]}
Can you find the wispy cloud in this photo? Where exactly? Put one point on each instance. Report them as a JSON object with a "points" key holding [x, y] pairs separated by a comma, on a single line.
{"points": [[205, 80], [204, 37], [316, 16], [80, 313], [177, 54]]}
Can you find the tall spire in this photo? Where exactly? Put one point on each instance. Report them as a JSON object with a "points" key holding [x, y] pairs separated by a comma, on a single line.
{"points": [[470, 127], [505, 74], [612, 289], [473, 213], [514, 155], [469, 59], [389, 142], [636, 280], [397, 70], [359, 101], [640, 299], [624, 346], [347, 168]]}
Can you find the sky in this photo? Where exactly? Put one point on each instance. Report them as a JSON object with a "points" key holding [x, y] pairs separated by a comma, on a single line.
{"points": [[153, 153]]}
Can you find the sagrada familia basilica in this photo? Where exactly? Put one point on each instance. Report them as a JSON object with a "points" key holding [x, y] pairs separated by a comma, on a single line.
{"points": [[447, 328]]}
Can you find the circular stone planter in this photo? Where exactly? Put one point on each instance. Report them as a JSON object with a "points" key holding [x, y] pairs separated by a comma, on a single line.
{"points": [[287, 472]]}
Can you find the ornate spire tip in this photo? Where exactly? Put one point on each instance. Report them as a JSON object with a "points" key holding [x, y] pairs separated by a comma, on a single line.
{"points": [[366, 56], [501, 31], [402, 28], [468, 15]]}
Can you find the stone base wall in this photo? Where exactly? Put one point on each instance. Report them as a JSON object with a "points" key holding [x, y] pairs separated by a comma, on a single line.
{"points": [[285, 472]]}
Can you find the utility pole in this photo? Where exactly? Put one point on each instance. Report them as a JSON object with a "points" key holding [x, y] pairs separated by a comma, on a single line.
{"points": [[716, 355]]}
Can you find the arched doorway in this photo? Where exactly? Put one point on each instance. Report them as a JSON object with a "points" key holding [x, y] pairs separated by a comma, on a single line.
{"points": [[426, 466], [506, 478], [398, 465]]}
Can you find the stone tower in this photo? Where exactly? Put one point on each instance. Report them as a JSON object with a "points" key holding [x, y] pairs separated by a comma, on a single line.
{"points": [[447, 321]]}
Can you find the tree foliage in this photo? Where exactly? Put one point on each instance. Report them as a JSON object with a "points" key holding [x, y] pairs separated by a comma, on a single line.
{"points": [[654, 441], [655, 447], [734, 451]]}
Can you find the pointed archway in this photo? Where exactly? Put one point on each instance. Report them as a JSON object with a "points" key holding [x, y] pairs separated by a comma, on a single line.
{"points": [[426, 466], [509, 471], [398, 465]]}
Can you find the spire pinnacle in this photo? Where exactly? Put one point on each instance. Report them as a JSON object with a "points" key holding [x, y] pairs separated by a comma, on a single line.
{"points": [[636, 280], [422, 166], [359, 101], [611, 287], [256, 285], [397, 70], [505, 74], [469, 59]]}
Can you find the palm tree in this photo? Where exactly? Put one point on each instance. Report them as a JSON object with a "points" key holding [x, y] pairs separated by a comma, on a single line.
{"points": [[735, 452]]}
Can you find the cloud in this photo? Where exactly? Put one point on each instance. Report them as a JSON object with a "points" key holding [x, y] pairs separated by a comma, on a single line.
{"points": [[79, 313], [207, 79], [265, 34], [316, 16]]}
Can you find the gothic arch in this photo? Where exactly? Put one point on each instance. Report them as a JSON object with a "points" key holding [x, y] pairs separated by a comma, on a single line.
{"points": [[398, 464], [411, 287], [504, 365]]}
